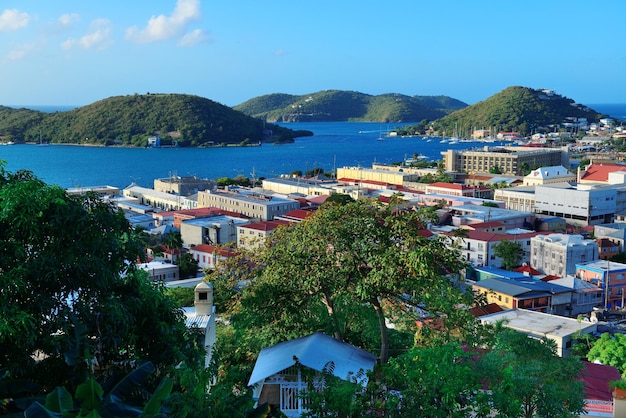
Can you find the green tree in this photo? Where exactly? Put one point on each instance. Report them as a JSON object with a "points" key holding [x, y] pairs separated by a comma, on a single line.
{"points": [[526, 378], [511, 253], [339, 199], [345, 263], [187, 265], [70, 293], [610, 350]]}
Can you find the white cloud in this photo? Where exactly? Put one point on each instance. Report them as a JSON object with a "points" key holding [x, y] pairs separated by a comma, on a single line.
{"points": [[98, 37], [194, 37], [280, 52], [13, 19], [19, 53], [161, 28], [68, 19]]}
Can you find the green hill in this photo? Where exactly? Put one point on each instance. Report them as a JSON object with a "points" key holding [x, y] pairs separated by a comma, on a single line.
{"points": [[339, 105], [518, 109], [130, 120]]}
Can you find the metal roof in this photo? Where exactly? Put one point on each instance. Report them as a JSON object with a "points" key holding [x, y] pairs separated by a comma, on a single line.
{"points": [[314, 351]]}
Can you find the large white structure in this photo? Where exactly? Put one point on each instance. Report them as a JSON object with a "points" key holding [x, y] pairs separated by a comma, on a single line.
{"points": [[583, 205], [558, 254], [247, 202]]}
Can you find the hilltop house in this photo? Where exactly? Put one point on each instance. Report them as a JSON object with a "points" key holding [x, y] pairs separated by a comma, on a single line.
{"points": [[277, 377]]}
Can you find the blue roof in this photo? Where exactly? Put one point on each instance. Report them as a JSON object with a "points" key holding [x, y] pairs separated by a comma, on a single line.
{"points": [[522, 286]]}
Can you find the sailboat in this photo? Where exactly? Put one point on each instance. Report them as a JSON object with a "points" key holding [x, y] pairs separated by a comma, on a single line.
{"points": [[41, 143]]}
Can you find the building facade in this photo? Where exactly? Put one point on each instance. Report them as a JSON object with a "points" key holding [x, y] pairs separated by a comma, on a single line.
{"points": [[558, 254], [257, 206], [513, 161], [582, 205]]}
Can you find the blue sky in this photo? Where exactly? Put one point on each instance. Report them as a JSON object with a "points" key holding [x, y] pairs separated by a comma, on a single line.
{"points": [[74, 52]]}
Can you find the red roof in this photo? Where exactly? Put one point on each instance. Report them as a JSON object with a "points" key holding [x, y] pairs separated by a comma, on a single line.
{"points": [[489, 224], [527, 269], [299, 214], [600, 172], [211, 249], [549, 277], [266, 225], [454, 186], [477, 311], [596, 379]]}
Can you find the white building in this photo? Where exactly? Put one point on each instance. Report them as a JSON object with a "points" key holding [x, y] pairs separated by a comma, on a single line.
{"points": [[259, 206], [558, 254], [538, 325], [221, 229], [548, 175], [581, 204]]}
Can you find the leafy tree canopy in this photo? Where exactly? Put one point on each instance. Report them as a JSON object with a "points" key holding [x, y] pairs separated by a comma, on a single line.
{"points": [[70, 296]]}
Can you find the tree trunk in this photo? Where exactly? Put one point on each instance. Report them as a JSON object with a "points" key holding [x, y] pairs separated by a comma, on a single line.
{"points": [[384, 336], [330, 307]]}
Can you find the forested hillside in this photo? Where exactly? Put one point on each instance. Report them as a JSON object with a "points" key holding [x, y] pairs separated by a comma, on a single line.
{"points": [[519, 109], [339, 105], [130, 120]]}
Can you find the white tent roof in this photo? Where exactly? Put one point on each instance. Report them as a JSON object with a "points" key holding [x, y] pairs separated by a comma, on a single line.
{"points": [[314, 351]]}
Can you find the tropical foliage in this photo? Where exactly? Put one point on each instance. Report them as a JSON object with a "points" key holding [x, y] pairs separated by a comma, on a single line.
{"points": [[184, 120], [338, 105], [518, 109]]}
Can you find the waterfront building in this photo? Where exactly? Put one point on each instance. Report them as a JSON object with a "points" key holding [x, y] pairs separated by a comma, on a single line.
{"points": [[258, 206], [397, 177], [511, 161], [182, 186], [559, 254], [102, 191], [286, 185], [153, 198]]}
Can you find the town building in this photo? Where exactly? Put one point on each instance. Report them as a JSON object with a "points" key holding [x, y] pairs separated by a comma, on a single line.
{"points": [[560, 329], [478, 247], [209, 256], [160, 271], [258, 206], [279, 383], [508, 160], [182, 186], [153, 198], [470, 214], [609, 277], [521, 198], [288, 185], [614, 232], [397, 176], [558, 254], [255, 235], [212, 230], [520, 291], [580, 204], [602, 173], [548, 175], [456, 189], [585, 295]]}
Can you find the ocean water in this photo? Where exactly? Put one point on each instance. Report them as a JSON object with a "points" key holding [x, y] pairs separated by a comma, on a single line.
{"points": [[335, 144]]}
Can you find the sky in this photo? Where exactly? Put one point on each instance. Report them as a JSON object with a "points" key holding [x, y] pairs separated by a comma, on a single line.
{"points": [[75, 52]]}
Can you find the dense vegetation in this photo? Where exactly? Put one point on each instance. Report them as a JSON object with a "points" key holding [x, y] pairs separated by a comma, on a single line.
{"points": [[518, 109], [337, 105], [130, 120]]}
